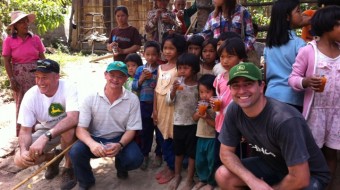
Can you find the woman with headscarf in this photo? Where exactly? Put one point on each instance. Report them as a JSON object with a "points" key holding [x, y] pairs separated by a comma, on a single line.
{"points": [[21, 50]]}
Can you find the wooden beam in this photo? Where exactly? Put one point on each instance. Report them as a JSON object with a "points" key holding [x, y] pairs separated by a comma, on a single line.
{"points": [[246, 4]]}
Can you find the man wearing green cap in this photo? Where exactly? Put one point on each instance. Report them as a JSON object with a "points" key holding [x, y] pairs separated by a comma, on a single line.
{"points": [[108, 121], [286, 156]]}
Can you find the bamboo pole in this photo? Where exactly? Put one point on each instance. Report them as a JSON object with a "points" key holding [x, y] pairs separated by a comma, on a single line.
{"points": [[43, 167]]}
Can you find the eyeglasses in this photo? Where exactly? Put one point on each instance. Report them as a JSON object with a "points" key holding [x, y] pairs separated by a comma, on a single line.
{"points": [[43, 63], [119, 77]]}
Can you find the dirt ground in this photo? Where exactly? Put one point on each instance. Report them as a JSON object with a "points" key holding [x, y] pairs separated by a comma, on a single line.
{"points": [[86, 76]]}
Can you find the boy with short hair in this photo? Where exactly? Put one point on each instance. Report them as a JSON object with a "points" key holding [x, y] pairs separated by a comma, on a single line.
{"points": [[144, 83]]}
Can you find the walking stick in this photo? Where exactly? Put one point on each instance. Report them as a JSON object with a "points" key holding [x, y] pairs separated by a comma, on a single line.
{"points": [[191, 25], [43, 167]]}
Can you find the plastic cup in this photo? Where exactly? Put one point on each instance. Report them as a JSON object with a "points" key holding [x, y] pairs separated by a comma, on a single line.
{"points": [[202, 107], [180, 81], [148, 72], [217, 103], [115, 49], [323, 83]]}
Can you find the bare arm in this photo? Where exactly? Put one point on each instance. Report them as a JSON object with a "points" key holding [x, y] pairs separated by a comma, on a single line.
{"points": [[42, 56], [297, 178], [9, 70], [233, 164], [131, 49], [69, 122]]}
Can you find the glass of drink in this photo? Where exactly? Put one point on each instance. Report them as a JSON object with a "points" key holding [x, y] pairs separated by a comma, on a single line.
{"points": [[217, 103], [202, 106], [115, 48], [148, 72], [323, 83], [181, 83]]}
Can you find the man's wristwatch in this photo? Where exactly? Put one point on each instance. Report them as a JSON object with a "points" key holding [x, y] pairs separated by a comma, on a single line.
{"points": [[48, 134]]}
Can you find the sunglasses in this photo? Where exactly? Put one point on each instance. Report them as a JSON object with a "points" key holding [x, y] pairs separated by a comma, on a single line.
{"points": [[44, 64]]}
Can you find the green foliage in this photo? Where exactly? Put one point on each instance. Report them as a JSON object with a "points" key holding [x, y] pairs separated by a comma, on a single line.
{"points": [[49, 13]]}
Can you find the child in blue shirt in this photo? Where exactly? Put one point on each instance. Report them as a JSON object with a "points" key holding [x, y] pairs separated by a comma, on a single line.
{"points": [[144, 83]]}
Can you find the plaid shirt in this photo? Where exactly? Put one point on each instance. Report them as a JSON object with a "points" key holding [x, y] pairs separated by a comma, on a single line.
{"points": [[216, 25]]}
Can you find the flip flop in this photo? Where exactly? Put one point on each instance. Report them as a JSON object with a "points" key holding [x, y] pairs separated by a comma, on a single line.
{"points": [[165, 179]]}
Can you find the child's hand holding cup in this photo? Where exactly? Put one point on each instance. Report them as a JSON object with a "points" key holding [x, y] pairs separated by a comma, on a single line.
{"points": [[202, 106], [147, 72], [181, 83], [216, 103]]}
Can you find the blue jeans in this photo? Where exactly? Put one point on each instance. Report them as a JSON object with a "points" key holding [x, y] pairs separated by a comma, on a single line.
{"points": [[129, 158]]}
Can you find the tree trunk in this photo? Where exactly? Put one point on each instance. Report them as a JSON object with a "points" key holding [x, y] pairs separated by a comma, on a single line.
{"points": [[204, 8]]}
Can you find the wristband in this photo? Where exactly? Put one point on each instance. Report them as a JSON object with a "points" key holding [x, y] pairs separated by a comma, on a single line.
{"points": [[121, 145]]}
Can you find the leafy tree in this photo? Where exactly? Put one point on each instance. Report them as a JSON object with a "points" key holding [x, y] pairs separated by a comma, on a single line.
{"points": [[49, 13]]}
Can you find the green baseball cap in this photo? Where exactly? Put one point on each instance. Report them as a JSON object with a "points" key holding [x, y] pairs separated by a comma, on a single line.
{"points": [[245, 69], [117, 66]]}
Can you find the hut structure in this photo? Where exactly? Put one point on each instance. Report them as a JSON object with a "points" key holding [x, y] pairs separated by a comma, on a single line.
{"points": [[92, 20]]}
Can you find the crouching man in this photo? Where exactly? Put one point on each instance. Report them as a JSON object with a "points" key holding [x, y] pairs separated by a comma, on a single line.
{"points": [[107, 125], [287, 156], [52, 107]]}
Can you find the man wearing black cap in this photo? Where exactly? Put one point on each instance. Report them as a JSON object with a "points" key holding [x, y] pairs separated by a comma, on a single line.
{"points": [[286, 156], [52, 107]]}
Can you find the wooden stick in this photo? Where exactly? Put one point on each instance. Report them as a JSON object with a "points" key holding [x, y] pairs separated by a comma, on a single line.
{"points": [[191, 25], [43, 167], [101, 58]]}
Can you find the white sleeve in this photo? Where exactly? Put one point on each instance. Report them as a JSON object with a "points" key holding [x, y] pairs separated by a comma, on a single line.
{"points": [[71, 98], [27, 117], [135, 119], [85, 111]]}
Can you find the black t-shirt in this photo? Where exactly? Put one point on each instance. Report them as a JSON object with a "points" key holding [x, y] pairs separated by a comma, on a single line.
{"points": [[279, 135], [125, 38]]}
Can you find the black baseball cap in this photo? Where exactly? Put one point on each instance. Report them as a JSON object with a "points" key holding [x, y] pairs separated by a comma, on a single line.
{"points": [[47, 66]]}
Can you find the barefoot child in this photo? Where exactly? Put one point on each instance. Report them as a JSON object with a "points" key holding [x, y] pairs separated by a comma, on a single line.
{"points": [[173, 45], [205, 148], [319, 58], [132, 61], [144, 83], [184, 95]]}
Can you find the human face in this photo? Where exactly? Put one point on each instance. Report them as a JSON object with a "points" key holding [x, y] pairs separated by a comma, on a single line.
{"points": [[132, 67], [169, 51], [121, 18], [228, 60], [151, 55], [185, 71], [195, 49], [334, 35], [47, 82], [219, 43], [115, 79], [219, 3], [246, 93], [180, 4], [295, 18], [205, 93], [209, 54], [22, 26], [162, 4]]}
